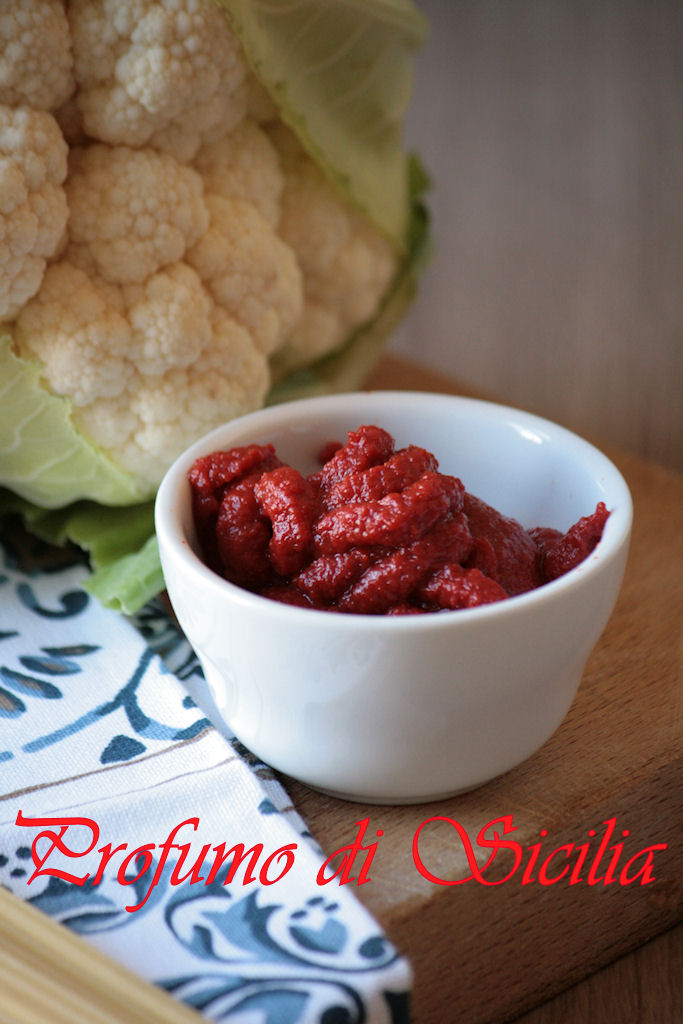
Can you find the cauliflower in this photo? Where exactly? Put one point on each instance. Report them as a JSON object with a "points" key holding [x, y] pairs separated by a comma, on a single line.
{"points": [[131, 211], [158, 283], [74, 329], [168, 248], [202, 240], [33, 208], [36, 66], [166, 75]]}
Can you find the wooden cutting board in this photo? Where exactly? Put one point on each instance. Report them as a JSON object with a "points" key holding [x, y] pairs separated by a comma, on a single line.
{"points": [[484, 954]]}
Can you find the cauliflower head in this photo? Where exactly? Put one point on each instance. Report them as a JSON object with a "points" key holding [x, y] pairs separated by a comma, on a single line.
{"points": [[189, 209]]}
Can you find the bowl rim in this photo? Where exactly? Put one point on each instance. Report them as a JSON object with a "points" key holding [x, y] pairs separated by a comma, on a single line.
{"points": [[167, 512]]}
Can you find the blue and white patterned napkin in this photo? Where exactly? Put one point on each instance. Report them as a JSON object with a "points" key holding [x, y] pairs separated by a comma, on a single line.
{"points": [[123, 813]]}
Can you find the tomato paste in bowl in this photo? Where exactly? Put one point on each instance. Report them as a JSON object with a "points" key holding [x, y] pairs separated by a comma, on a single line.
{"points": [[376, 530], [395, 699]]}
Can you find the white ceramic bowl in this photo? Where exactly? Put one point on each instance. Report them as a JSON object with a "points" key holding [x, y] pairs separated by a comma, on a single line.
{"points": [[399, 709]]}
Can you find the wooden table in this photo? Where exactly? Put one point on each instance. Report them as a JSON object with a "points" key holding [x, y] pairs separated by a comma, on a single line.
{"points": [[488, 954]]}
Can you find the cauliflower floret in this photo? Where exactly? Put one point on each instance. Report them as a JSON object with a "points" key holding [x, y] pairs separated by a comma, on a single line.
{"points": [[21, 271], [164, 75], [230, 380], [244, 164], [75, 328], [36, 64], [33, 208], [132, 211], [144, 429], [249, 271], [169, 318], [347, 264], [147, 368]]}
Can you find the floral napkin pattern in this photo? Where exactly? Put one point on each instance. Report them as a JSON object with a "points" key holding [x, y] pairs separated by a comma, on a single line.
{"points": [[127, 816]]}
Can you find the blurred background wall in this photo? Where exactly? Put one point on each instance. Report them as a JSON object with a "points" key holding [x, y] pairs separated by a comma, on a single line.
{"points": [[552, 131]]}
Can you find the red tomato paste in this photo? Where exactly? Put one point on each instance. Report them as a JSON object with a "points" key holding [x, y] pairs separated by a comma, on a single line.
{"points": [[374, 531]]}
